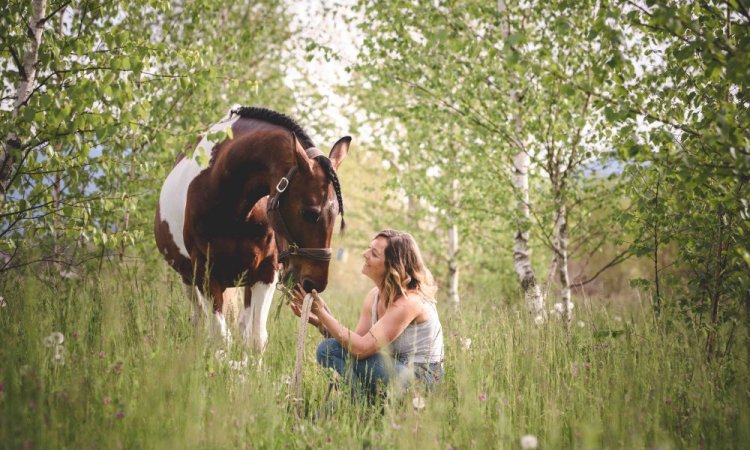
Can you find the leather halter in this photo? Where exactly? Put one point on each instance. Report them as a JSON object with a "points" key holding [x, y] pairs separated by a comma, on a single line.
{"points": [[279, 224]]}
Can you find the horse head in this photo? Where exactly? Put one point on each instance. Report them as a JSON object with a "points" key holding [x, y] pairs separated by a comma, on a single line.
{"points": [[303, 211]]}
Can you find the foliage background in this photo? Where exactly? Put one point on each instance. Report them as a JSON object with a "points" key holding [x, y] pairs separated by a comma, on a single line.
{"points": [[635, 115]]}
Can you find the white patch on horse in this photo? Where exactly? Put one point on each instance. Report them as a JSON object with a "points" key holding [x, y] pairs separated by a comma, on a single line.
{"points": [[202, 153], [199, 303], [220, 325], [173, 196], [253, 319]]}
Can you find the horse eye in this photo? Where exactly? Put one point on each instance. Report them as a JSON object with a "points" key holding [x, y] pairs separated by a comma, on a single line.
{"points": [[310, 215]]}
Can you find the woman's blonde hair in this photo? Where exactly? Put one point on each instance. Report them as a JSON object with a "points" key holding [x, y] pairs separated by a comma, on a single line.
{"points": [[404, 268]]}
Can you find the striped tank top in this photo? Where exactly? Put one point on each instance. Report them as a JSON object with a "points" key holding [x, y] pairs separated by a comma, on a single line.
{"points": [[420, 343]]}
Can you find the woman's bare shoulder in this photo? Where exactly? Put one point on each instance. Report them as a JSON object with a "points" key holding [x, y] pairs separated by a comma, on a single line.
{"points": [[411, 300]]}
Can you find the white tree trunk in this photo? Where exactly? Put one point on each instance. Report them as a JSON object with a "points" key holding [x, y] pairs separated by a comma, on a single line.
{"points": [[453, 247], [561, 250], [31, 55], [27, 73], [521, 250]]}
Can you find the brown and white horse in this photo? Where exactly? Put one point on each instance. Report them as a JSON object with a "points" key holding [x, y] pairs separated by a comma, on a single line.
{"points": [[224, 213]]}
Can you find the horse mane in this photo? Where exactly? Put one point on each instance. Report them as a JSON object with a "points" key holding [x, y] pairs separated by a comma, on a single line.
{"points": [[276, 118]]}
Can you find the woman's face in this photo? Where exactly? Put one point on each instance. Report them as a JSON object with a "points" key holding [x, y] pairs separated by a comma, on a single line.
{"points": [[374, 264]]}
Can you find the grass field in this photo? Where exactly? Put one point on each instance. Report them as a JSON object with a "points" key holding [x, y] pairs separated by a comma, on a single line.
{"points": [[132, 372]]}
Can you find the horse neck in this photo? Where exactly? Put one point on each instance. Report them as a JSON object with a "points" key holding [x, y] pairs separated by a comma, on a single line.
{"points": [[249, 170]]}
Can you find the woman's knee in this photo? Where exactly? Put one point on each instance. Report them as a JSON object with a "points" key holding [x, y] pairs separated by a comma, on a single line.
{"points": [[329, 349]]}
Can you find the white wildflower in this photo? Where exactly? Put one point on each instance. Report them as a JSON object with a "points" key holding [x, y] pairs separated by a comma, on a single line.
{"points": [[618, 319], [220, 355], [238, 365], [59, 358], [3, 304], [529, 441], [418, 402], [581, 324], [539, 320], [58, 337], [466, 344], [559, 307], [54, 339]]}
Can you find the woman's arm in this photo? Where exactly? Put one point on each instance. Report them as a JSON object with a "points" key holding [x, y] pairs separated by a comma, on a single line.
{"points": [[365, 313], [398, 316]]}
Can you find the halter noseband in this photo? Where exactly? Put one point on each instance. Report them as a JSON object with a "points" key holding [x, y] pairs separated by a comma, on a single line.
{"points": [[279, 224]]}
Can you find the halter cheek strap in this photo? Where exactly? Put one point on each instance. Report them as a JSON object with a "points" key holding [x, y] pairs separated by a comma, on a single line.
{"points": [[279, 224]]}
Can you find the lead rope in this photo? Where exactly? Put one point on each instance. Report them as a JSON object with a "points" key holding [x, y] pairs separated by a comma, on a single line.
{"points": [[296, 387]]}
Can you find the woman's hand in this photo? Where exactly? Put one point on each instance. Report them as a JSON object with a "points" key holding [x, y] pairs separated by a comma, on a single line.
{"points": [[298, 296], [318, 304], [312, 319]]}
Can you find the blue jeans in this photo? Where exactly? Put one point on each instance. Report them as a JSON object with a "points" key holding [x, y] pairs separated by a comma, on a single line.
{"points": [[376, 372]]}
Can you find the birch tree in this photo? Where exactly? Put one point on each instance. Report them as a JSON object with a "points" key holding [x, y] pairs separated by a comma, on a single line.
{"points": [[518, 123]]}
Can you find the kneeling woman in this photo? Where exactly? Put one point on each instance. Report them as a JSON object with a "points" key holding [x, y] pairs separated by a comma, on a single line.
{"points": [[398, 315]]}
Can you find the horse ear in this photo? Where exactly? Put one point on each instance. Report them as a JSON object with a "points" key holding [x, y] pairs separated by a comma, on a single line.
{"points": [[304, 163], [339, 151]]}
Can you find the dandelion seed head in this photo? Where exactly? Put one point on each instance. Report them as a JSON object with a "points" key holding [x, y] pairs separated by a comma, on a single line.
{"points": [[220, 355], [3, 303], [418, 402], [581, 324], [539, 320], [529, 442], [57, 337], [466, 344]]}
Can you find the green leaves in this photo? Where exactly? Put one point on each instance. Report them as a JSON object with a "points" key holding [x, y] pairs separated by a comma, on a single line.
{"points": [[122, 87]]}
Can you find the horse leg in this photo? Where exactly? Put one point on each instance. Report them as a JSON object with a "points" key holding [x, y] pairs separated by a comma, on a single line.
{"points": [[262, 296], [199, 306], [219, 323], [247, 317]]}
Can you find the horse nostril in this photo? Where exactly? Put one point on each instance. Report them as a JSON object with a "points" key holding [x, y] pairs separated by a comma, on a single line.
{"points": [[307, 285]]}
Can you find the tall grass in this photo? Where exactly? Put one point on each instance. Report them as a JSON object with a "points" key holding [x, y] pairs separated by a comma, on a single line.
{"points": [[136, 374]]}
